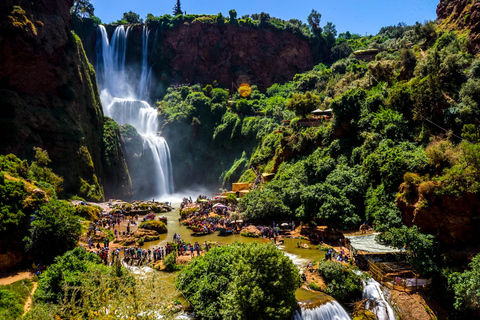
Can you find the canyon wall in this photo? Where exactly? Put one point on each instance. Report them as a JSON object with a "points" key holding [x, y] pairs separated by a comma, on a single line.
{"points": [[48, 94], [461, 15]]}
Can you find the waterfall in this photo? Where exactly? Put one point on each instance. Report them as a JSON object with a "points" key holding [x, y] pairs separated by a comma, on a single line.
{"points": [[144, 85], [376, 301], [331, 310], [128, 106]]}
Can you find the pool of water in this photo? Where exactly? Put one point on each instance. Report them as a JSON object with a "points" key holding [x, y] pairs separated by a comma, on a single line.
{"points": [[300, 256]]}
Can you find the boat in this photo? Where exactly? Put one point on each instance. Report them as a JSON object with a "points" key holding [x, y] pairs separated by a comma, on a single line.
{"points": [[163, 219], [225, 231]]}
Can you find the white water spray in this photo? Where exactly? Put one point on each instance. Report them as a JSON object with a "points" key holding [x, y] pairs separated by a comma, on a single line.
{"points": [[376, 301], [331, 310], [126, 105]]}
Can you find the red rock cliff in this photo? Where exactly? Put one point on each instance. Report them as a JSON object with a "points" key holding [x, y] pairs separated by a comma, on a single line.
{"points": [[461, 15], [200, 52], [452, 219]]}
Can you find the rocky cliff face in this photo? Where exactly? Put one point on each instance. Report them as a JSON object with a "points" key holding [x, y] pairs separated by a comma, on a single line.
{"points": [[48, 93], [463, 15], [452, 219], [196, 52], [227, 53]]}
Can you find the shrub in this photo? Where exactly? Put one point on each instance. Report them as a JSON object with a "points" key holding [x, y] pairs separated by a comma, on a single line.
{"points": [[411, 178], [156, 225], [185, 212], [426, 188], [170, 262], [12, 299], [88, 212], [312, 285], [341, 282]]}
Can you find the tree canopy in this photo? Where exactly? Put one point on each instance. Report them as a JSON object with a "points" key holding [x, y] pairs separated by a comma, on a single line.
{"points": [[241, 281], [177, 9]]}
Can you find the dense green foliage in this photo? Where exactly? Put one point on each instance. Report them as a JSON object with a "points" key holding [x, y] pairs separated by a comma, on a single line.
{"points": [[341, 282], [419, 248], [466, 286], [13, 298], [241, 281], [67, 270], [12, 194], [55, 229]]}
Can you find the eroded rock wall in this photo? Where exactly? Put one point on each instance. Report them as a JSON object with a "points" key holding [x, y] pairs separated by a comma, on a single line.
{"points": [[48, 93], [454, 220], [461, 15]]}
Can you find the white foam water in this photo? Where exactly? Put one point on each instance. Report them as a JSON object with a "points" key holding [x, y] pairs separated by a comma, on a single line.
{"points": [[331, 310], [127, 106]]}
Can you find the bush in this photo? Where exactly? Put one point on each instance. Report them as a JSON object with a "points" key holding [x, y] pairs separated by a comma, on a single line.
{"points": [[54, 230], [10, 306], [312, 285], [240, 280], [88, 212], [426, 188], [170, 262], [341, 282], [156, 225], [466, 286], [67, 269], [13, 298], [12, 195]]}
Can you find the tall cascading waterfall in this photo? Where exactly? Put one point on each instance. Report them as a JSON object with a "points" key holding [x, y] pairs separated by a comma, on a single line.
{"points": [[126, 105], [331, 310]]}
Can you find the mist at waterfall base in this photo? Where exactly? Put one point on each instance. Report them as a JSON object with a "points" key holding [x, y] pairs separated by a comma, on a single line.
{"points": [[124, 98]]}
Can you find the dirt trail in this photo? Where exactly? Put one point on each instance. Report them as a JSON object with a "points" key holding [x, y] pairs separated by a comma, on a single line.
{"points": [[28, 303], [9, 278]]}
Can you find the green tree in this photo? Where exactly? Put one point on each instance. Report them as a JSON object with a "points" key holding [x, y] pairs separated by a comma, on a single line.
{"points": [[12, 195], [41, 173], [177, 9], [466, 286], [131, 17], [419, 248], [303, 104], [82, 8], [54, 230], [263, 205], [241, 281], [329, 33], [341, 282], [67, 269], [233, 15], [314, 19]]}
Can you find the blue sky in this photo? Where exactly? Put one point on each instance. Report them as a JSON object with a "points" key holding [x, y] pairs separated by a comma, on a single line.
{"points": [[356, 16]]}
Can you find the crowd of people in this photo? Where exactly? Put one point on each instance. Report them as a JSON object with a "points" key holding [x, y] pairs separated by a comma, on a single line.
{"points": [[333, 256]]}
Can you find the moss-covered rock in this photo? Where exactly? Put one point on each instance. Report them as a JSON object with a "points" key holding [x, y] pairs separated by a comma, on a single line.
{"points": [[51, 95], [156, 225]]}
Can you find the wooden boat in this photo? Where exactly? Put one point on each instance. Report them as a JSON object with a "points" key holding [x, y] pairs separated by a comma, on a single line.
{"points": [[225, 231], [163, 219]]}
